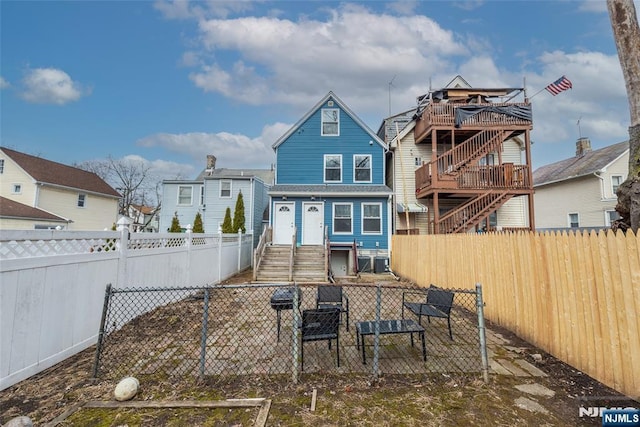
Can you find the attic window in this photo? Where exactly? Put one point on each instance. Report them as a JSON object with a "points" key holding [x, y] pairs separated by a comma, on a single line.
{"points": [[330, 122]]}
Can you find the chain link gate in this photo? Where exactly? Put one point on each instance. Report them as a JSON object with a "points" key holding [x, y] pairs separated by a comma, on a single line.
{"points": [[263, 329]]}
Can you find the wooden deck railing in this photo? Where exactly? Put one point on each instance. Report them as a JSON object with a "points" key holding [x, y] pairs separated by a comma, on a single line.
{"points": [[443, 114], [505, 176]]}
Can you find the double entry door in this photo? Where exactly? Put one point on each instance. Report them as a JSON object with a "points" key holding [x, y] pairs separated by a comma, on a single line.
{"points": [[312, 223]]}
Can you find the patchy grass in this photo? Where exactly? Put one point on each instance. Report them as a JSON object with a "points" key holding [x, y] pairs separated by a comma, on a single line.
{"points": [[342, 400]]}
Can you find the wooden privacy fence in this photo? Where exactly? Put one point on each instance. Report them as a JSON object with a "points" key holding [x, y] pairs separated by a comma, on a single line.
{"points": [[576, 296]]}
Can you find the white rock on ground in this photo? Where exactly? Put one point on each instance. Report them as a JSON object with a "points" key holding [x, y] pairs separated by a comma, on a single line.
{"points": [[19, 422], [126, 389]]}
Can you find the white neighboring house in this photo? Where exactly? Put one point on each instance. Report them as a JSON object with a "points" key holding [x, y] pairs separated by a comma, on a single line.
{"points": [[580, 192], [41, 194], [145, 218], [212, 192]]}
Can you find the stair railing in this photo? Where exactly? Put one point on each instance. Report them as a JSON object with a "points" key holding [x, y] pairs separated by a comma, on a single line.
{"points": [[327, 255], [466, 216], [258, 252], [461, 155], [292, 252], [355, 256]]}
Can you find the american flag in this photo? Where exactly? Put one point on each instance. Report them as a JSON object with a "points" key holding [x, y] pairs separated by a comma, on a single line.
{"points": [[559, 85]]}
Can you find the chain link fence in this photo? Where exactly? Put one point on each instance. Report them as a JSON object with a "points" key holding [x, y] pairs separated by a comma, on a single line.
{"points": [[283, 329]]}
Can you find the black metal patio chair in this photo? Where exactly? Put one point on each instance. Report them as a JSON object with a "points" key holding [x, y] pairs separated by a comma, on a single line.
{"points": [[321, 325], [332, 296]]}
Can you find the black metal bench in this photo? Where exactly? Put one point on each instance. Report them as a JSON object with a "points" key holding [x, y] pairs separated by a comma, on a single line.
{"points": [[438, 303]]}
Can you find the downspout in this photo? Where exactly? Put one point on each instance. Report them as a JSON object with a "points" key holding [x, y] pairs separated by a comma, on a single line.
{"points": [[602, 195], [392, 212]]}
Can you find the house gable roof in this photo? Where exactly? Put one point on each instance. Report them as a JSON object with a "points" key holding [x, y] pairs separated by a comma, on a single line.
{"points": [[12, 209], [343, 106], [48, 172], [574, 167]]}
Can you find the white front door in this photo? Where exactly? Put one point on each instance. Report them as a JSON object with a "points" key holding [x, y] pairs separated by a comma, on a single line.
{"points": [[312, 223], [283, 223]]}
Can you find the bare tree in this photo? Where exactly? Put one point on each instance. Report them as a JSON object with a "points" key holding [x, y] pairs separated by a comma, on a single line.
{"points": [[132, 179], [626, 33]]}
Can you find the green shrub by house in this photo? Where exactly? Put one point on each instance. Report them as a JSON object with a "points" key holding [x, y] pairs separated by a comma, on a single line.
{"points": [[197, 224], [175, 224], [227, 226], [238, 215]]}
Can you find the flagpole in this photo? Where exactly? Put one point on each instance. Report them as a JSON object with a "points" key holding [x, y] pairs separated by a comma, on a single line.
{"points": [[537, 92]]}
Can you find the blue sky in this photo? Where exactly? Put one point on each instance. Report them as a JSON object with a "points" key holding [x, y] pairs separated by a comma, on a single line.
{"points": [[170, 82]]}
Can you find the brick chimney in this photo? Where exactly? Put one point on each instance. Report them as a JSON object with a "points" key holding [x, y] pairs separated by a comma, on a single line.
{"points": [[583, 146], [211, 161]]}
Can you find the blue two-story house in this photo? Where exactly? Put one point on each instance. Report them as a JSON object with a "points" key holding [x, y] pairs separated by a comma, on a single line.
{"points": [[330, 182]]}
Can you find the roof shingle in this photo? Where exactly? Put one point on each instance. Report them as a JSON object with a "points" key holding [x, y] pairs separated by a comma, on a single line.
{"points": [[574, 167], [12, 209], [48, 172]]}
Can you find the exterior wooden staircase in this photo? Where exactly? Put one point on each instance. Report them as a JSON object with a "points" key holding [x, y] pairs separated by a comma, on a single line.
{"points": [[471, 213], [454, 161], [308, 264]]}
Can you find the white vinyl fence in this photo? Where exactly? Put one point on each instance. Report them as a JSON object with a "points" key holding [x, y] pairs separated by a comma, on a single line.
{"points": [[52, 284]]}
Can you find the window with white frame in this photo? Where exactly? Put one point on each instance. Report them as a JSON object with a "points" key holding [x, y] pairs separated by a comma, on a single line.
{"points": [[610, 217], [371, 218], [82, 200], [332, 168], [16, 189], [417, 161], [202, 195], [185, 195], [342, 218], [1, 166], [362, 168], [225, 189], [616, 180], [330, 122], [574, 220]]}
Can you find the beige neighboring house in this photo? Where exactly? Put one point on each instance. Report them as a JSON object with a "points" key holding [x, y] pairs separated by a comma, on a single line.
{"points": [[41, 194], [580, 192]]}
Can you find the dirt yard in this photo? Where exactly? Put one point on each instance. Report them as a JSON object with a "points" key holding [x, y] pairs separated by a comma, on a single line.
{"points": [[436, 400]]}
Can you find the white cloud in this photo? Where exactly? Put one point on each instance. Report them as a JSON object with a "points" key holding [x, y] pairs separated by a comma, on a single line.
{"points": [[598, 99], [185, 9], [162, 169], [353, 48], [354, 52], [50, 86], [231, 150], [3, 83], [403, 7]]}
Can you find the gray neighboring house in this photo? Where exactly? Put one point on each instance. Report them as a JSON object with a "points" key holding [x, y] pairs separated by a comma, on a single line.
{"points": [[580, 192], [211, 192]]}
